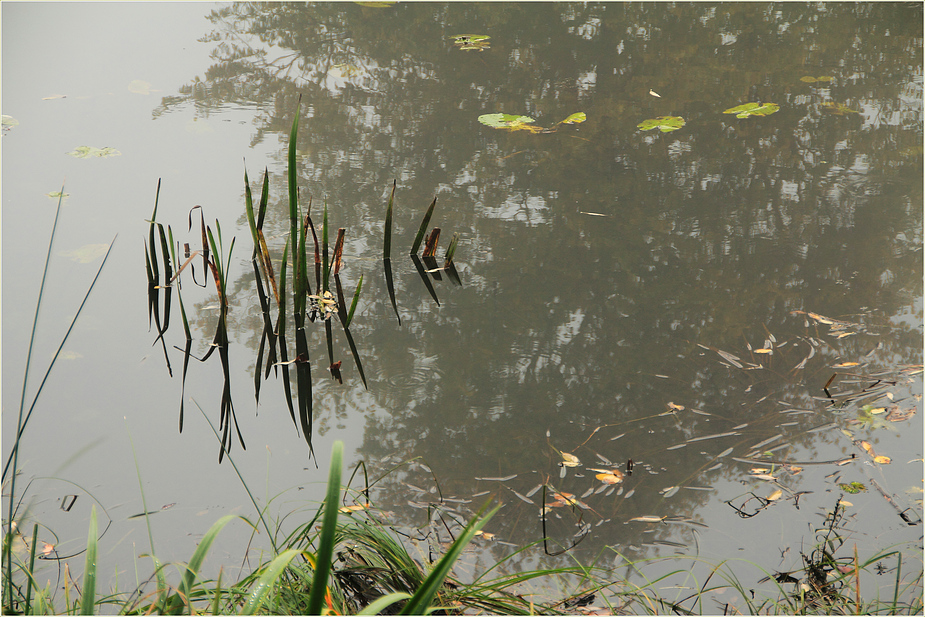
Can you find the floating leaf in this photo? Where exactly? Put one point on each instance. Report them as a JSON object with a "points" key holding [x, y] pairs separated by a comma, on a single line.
{"points": [[353, 508], [138, 86], [87, 152], [58, 195], [654, 93], [812, 80], [753, 109], [844, 503], [570, 460], [675, 407], [839, 109], [775, 495], [8, 122], [662, 123], [575, 118], [614, 477], [471, 42], [648, 519], [86, 253], [504, 121], [883, 460], [764, 351], [854, 488], [867, 447], [898, 415], [846, 364]]}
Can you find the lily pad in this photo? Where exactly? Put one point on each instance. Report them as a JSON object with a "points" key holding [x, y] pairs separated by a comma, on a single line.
{"points": [[89, 152], [86, 253], [839, 109], [812, 80], [575, 118], [662, 123], [505, 121], [753, 109]]}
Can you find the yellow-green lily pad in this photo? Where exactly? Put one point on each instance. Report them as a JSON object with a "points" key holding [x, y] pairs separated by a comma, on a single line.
{"points": [[662, 123], [575, 118], [753, 109], [89, 152]]}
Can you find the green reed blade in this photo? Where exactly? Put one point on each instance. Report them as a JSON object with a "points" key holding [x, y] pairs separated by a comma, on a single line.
{"points": [[281, 337], [199, 555], [267, 581], [186, 357], [264, 198], [249, 210], [323, 558], [356, 355], [21, 425], [419, 603], [292, 174], [218, 593], [324, 247], [304, 387], [329, 339], [387, 269], [88, 595], [151, 233], [451, 250], [341, 302], [35, 537], [387, 244], [423, 229], [423, 274], [378, 606], [338, 251], [353, 305]]}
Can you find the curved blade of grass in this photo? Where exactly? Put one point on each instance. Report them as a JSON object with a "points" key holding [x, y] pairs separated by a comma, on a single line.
{"points": [[387, 269], [22, 423], [281, 336], [199, 555], [267, 580], [353, 305], [323, 558], [423, 229], [418, 603], [294, 205], [378, 606], [420, 268], [356, 355], [88, 595], [387, 242], [29, 582]]}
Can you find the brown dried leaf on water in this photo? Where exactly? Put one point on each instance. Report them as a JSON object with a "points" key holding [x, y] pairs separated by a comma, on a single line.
{"points": [[844, 334], [793, 469], [847, 504], [354, 508], [846, 364], [876, 410], [764, 476], [775, 495], [883, 460], [570, 460], [610, 478], [821, 319], [757, 470], [764, 351], [47, 548], [674, 407], [898, 415], [867, 447], [485, 534]]}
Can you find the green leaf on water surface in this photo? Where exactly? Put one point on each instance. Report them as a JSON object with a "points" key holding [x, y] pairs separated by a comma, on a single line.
{"points": [[839, 109], [812, 80], [753, 109], [9, 122], [89, 152], [138, 86], [505, 121], [575, 118], [471, 42], [86, 253], [58, 195], [853, 488], [662, 123]]}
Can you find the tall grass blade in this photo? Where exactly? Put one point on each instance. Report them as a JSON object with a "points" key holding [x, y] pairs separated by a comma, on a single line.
{"points": [[430, 245], [423, 274], [356, 355], [29, 582], [324, 248], [387, 242], [324, 556], [304, 387], [387, 269], [420, 601], [423, 229], [341, 302], [195, 563], [281, 334], [292, 174], [353, 304], [378, 606], [451, 250], [88, 596], [267, 580], [22, 423]]}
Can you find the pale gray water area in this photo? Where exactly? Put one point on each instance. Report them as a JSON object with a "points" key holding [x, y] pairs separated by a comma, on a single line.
{"points": [[677, 298]]}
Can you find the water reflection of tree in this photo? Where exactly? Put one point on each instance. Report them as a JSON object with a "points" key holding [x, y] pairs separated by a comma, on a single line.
{"points": [[571, 318]]}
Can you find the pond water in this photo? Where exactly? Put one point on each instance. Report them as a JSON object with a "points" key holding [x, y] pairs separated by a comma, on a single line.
{"points": [[680, 299]]}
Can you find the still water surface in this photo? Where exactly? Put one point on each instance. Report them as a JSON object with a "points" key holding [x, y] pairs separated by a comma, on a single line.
{"points": [[676, 298]]}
